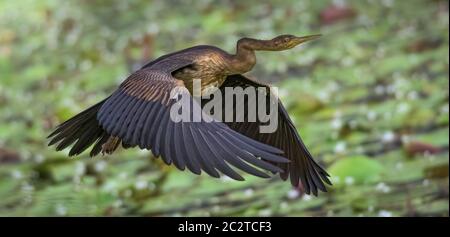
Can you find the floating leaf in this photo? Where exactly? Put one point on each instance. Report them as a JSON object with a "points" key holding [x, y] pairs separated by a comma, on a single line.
{"points": [[356, 169]]}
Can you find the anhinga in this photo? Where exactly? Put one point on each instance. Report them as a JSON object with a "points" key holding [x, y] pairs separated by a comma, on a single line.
{"points": [[137, 114]]}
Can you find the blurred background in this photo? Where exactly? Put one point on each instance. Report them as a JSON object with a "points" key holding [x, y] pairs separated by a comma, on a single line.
{"points": [[370, 99]]}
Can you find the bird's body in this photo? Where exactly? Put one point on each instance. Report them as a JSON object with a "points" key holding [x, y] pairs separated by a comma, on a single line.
{"points": [[138, 114], [209, 66]]}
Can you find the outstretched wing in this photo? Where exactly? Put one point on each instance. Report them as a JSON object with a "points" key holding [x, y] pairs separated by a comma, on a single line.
{"points": [[301, 166], [139, 114]]}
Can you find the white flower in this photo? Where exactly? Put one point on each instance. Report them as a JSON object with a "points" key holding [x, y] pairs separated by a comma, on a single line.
{"points": [[248, 192], [336, 123], [405, 139], [265, 212], [60, 210], [403, 108], [353, 124], [141, 184], [388, 137], [384, 213], [391, 89], [413, 95], [349, 180], [336, 179], [379, 90], [123, 175], [110, 186], [118, 203], [444, 109], [39, 158], [27, 188], [399, 165], [382, 187], [348, 61], [85, 65], [127, 193], [80, 169], [371, 115], [100, 166], [340, 147], [293, 194], [151, 186], [323, 95], [16, 174], [387, 3], [216, 208], [306, 197]]}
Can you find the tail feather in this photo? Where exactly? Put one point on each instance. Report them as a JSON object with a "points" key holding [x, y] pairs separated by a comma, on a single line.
{"points": [[77, 119], [92, 133], [83, 129]]}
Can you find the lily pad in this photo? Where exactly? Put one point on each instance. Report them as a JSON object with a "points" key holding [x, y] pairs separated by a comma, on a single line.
{"points": [[356, 170]]}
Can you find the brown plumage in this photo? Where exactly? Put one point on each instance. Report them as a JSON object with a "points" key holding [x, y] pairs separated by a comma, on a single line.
{"points": [[137, 114]]}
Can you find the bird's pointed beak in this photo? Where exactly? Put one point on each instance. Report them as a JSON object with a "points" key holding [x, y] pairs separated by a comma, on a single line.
{"points": [[303, 39]]}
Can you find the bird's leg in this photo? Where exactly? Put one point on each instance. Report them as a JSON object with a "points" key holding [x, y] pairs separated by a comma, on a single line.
{"points": [[110, 145]]}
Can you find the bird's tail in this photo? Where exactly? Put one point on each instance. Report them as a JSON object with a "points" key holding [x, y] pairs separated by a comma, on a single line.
{"points": [[84, 130]]}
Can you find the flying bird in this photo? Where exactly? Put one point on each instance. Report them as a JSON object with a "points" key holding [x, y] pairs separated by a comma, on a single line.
{"points": [[137, 114]]}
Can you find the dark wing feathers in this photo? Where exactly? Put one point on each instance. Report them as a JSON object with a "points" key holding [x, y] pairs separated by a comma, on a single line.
{"points": [[82, 129], [301, 168], [234, 160], [206, 164], [183, 151], [249, 158], [139, 114]]}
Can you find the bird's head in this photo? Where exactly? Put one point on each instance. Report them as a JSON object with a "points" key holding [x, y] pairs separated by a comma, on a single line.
{"points": [[284, 42], [278, 43]]}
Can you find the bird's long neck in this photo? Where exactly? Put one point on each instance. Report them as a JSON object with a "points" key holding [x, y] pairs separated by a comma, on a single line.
{"points": [[245, 58]]}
